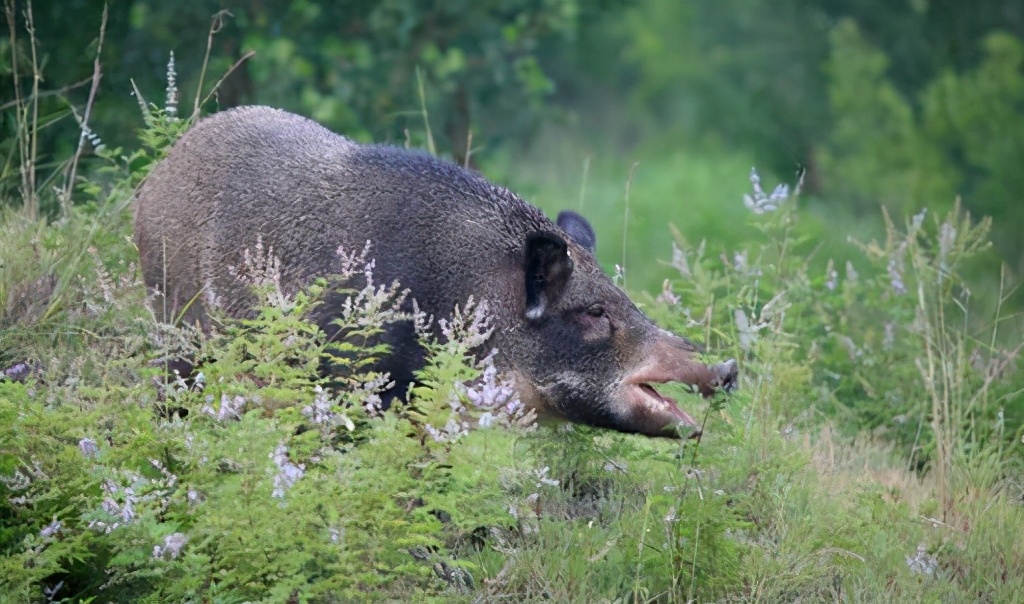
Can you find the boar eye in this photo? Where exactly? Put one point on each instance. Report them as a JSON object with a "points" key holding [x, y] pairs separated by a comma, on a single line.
{"points": [[596, 311]]}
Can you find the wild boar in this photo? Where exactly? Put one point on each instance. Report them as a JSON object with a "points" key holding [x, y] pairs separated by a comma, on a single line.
{"points": [[575, 343]]}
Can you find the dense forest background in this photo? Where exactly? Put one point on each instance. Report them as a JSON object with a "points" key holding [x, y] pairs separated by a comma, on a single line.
{"points": [[900, 104]]}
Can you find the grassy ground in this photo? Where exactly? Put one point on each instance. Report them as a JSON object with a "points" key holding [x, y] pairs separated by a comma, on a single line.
{"points": [[872, 453]]}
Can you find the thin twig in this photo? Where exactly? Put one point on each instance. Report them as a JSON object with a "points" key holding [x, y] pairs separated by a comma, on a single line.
{"points": [[583, 182], [12, 27], [248, 55], [46, 93], [216, 24], [426, 117], [22, 131], [30, 25], [469, 148], [97, 75], [625, 220], [141, 100], [703, 426]]}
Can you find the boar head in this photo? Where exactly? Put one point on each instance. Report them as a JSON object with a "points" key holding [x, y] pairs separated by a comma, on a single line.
{"points": [[587, 353]]}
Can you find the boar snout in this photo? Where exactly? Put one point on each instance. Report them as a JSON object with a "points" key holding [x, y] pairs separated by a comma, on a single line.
{"points": [[671, 359], [728, 375]]}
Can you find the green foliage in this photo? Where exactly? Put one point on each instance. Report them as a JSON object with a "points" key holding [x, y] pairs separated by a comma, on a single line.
{"points": [[892, 162], [255, 498], [903, 104], [873, 451], [861, 342], [972, 116], [350, 64]]}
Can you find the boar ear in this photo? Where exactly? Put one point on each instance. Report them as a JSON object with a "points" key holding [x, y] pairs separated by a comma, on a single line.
{"points": [[578, 228], [548, 268]]}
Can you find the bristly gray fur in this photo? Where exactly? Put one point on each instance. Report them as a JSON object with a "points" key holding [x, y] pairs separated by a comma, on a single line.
{"points": [[443, 232]]}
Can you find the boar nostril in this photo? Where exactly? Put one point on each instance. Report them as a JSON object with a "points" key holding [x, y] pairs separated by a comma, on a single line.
{"points": [[728, 375]]}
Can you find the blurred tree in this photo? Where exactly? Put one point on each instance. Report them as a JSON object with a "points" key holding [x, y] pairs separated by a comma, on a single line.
{"points": [[903, 103], [350, 64], [975, 118], [897, 103], [876, 153]]}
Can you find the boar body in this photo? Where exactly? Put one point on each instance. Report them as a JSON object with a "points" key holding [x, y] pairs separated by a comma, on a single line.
{"points": [[575, 343]]}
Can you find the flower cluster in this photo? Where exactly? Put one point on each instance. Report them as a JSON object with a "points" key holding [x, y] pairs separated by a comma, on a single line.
{"points": [[760, 202], [288, 473], [229, 408], [262, 270], [498, 398], [171, 546], [171, 103]]}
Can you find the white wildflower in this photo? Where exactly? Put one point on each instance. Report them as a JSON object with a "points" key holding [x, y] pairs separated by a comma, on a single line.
{"points": [[851, 272], [230, 408], [918, 220], [922, 562], [171, 105], [831, 276], [680, 262], [172, 546], [288, 473], [947, 238], [88, 447], [889, 339], [451, 432], [491, 392], [666, 295], [51, 529], [469, 326], [542, 478], [321, 411], [193, 497], [761, 203], [261, 269], [51, 591], [619, 278], [120, 503], [613, 466], [895, 270], [17, 481]]}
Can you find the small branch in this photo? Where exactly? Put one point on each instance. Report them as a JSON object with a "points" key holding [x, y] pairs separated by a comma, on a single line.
{"points": [[426, 117], [248, 55], [12, 27], [469, 148], [22, 131], [47, 93], [97, 75], [703, 426], [216, 24], [30, 25], [625, 219]]}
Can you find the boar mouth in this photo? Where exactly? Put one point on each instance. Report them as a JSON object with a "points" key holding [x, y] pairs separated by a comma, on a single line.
{"points": [[654, 412], [656, 405]]}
